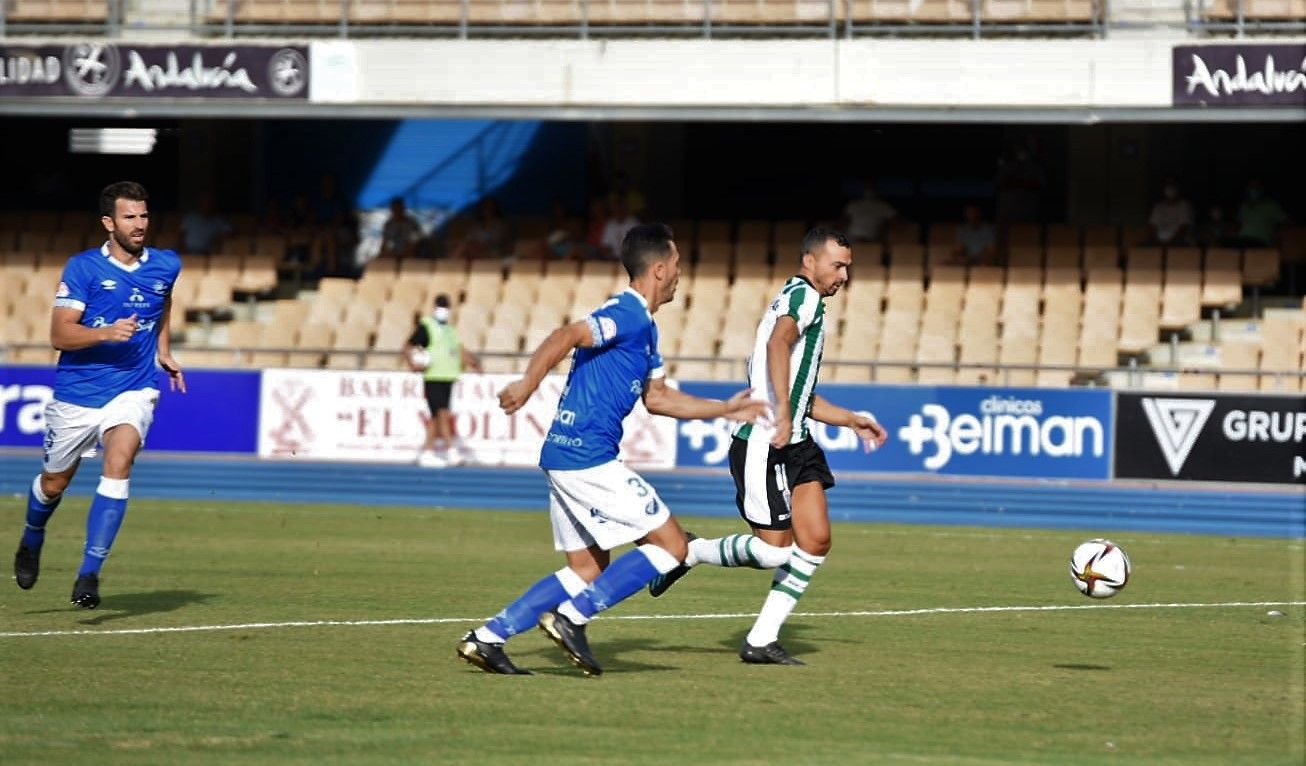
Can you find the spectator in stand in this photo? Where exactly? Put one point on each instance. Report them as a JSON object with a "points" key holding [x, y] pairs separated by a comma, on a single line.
{"points": [[1259, 217], [1172, 217], [595, 226], [976, 242], [490, 236], [866, 216], [614, 232], [1019, 183], [565, 239], [303, 258], [1216, 230], [400, 234], [335, 232], [203, 229], [273, 220], [623, 192]]}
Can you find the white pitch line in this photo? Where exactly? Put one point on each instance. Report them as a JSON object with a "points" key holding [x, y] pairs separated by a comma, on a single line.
{"points": [[723, 616]]}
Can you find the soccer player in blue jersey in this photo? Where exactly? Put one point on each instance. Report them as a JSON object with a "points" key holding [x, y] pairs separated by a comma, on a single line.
{"points": [[110, 325], [596, 502]]}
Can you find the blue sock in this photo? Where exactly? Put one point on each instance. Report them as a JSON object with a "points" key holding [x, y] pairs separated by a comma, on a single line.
{"points": [[523, 613], [102, 523], [38, 514], [625, 577]]}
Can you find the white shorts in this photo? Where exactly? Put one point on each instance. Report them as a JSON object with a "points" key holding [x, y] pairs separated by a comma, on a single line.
{"points": [[607, 505], [71, 429]]}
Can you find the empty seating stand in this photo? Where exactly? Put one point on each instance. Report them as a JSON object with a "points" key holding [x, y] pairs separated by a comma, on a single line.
{"points": [[54, 14], [671, 16]]}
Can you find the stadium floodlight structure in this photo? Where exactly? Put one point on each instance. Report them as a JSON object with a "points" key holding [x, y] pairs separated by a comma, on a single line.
{"points": [[111, 140]]}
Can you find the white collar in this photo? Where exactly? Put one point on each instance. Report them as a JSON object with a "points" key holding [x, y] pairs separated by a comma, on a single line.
{"points": [[145, 256], [638, 297]]}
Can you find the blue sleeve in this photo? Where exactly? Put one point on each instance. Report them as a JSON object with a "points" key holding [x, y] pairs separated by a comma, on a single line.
{"points": [[615, 322], [656, 369], [74, 286]]}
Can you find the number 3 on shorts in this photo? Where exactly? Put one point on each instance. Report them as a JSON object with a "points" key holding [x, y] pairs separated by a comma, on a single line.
{"points": [[640, 487]]}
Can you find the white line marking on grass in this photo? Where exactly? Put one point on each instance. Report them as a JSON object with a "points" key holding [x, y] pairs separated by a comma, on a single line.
{"points": [[722, 616]]}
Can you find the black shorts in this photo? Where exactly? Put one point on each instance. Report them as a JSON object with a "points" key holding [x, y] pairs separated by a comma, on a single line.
{"points": [[437, 394], [764, 477]]}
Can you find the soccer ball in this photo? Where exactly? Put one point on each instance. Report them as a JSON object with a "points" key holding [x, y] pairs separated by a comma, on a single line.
{"points": [[418, 358], [1099, 568]]}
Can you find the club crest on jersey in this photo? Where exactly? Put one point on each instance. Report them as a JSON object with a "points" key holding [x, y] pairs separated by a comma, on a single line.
{"points": [[159, 287]]}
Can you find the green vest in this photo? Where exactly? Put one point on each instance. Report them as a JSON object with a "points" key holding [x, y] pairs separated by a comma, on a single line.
{"points": [[445, 349]]}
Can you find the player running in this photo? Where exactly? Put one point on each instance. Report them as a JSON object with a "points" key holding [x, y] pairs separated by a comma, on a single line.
{"points": [[110, 323], [596, 502], [780, 474]]}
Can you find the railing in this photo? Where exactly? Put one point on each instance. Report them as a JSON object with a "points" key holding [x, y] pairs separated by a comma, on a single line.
{"points": [[1082, 376]]}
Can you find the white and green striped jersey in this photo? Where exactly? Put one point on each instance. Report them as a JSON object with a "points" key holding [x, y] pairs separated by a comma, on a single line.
{"points": [[800, 300]]}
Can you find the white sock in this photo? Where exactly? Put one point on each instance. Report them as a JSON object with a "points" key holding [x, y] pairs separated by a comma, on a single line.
{"points": [[736, 551], [790, 583]]}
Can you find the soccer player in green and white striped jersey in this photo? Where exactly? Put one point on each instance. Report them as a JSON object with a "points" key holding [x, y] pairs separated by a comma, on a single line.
{"points": [[781, 474]]}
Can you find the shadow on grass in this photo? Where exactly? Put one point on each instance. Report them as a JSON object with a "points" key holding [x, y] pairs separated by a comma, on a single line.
{"points": [[792, 641], [1077, 666], [120, 606]]}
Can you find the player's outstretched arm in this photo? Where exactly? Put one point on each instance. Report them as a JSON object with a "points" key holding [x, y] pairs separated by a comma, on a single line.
{"points": [[553, 350], [661, 399], [867, 428], [176, 379], [67, 333]]}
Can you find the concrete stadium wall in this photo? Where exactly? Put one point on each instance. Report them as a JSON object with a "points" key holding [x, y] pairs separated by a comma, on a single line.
{"points": [[689, 73]]}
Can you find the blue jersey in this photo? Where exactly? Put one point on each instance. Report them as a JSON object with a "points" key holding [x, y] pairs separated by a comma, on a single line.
{"points": [[604, 383], [106, 290]]}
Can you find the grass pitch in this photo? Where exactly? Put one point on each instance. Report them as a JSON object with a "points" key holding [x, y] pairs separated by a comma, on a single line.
{"points": [[1216, 684]]}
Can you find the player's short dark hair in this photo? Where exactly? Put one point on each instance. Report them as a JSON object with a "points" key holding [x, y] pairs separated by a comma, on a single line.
{"points": [[644, 244], [816, 238], [121, 190], [442, 301]]}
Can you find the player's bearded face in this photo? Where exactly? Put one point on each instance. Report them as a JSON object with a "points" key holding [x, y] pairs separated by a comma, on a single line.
{"points": [[130, 222]]}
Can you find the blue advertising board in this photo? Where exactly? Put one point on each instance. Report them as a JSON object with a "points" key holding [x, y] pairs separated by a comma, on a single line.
{"points": [[950, 430], [219, 413]]}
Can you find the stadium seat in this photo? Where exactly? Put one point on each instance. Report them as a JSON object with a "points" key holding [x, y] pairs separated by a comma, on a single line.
{"points": [[1101, 236], [1275, 10], [1239, 355], [911, 11], [213, 292], [347, 347], [1140, 313], [258, 274], [1143, 259], [1182, 292], [788, 235], [1100, 321], [1025, 256], [1062, 235], [58, 11], [1260, 266], [314, 339], [1222, 279]]}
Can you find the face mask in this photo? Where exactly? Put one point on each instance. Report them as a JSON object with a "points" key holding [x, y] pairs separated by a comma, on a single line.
{"points": [[441, 315]]}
